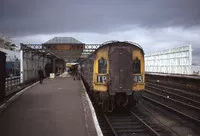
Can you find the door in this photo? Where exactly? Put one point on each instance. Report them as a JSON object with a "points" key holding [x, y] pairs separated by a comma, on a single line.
{"points": [[2, 75], [120, 70]]}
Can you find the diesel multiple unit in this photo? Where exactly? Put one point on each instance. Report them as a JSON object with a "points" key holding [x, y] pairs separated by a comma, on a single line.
{"points": [[115, 74]]}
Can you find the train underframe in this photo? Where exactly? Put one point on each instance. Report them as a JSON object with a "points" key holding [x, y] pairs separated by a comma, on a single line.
{"points": [[110, 103]]}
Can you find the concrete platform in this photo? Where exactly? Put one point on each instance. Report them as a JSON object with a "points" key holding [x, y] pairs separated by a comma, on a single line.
{"points": [[58, 107], [197, 77]]}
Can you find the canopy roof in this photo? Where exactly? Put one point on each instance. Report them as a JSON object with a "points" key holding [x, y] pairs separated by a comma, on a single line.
{"points": [[66, 48]]}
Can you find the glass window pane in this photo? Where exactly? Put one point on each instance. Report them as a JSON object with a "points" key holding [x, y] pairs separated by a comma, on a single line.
{"points": [[102, 66]]}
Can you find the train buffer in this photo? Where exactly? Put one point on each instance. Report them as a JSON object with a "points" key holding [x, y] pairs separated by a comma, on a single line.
{"points": [[58, 107]]}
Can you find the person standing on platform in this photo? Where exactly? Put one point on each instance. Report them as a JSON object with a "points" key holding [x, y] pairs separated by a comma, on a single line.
{"points": [[41, 75], [79, 72], [75, 72], [67, 69]]}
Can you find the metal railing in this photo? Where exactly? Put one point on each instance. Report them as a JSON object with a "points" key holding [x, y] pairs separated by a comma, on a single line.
{"points": [[11, 83]]}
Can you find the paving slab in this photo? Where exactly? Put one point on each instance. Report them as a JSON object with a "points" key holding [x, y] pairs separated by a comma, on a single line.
{"points": [[53, 108]]}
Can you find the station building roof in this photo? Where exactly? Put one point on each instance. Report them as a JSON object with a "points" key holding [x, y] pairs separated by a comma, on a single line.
{"points": [[65, 48], [63, 40]]}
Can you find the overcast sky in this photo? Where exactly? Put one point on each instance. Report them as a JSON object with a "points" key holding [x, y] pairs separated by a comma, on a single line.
{"points": [[154, 24]]}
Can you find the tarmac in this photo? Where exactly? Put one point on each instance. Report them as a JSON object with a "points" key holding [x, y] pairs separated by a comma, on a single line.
{"points": [[58, 107]]}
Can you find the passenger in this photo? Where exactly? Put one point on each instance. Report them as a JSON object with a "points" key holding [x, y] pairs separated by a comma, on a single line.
{"points": [[67, 69], [79, 72], [75, 72], [41, 75]]}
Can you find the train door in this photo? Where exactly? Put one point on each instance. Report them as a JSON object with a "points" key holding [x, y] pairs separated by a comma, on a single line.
{"points": [[120, 70], [2, 74]]}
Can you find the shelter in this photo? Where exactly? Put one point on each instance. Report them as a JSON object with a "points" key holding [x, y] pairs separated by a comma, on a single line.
{"points": [[66, 48]]}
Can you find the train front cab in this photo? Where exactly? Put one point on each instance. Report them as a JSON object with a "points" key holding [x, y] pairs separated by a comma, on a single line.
{"points": [[108, 84]]}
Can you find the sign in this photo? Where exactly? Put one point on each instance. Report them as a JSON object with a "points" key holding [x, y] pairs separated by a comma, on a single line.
{"points": [[101, 78], [63, 47], [52, 75], [138, 78], [69, 47]]}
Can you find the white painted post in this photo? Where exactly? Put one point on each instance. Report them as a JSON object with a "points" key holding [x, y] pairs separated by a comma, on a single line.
{"points": [[21, 66], [190, 59]]}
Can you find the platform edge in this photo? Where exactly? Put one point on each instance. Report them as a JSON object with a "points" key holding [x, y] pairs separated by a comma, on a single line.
{"points": [[94, 117], [14, 97]]}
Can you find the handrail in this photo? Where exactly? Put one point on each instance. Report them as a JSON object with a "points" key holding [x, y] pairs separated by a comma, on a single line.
{"points": [[12, 82]]}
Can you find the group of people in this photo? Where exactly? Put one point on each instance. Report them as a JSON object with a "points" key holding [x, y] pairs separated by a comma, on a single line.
{"points": [[75, 71]]}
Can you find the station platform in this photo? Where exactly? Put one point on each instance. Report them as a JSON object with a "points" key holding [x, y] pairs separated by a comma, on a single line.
{"points": [[58, 107], [175, 75]]}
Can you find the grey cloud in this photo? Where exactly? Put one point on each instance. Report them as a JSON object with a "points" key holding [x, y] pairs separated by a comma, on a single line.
{"points": [[151, 40], [23, 17], [196, 51]]}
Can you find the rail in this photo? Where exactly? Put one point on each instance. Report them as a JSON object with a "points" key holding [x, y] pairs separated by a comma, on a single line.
{"points": [[183, 96], [12, 82], [151, 130], [175, 110], [128, 125]]}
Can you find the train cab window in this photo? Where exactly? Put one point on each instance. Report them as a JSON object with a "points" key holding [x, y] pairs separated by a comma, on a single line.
{"points": [[136, 66], [102, 66]]}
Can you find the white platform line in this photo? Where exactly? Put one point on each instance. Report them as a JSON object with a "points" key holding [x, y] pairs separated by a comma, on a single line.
{"points": [[94, 117], [14, 97]]}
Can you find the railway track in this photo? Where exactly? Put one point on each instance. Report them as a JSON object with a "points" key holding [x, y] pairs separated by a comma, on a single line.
{"points": [[180, 95], [132, 124], [173, 123], [126, 124], [171, 101], [178, 86]]}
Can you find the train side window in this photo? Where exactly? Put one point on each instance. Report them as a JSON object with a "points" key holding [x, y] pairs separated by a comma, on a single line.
{"points": [[136, 66], [102, 66]]}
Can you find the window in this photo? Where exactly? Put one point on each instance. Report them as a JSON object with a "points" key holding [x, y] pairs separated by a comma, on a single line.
{"points": [[102, 66], [136, 66]]}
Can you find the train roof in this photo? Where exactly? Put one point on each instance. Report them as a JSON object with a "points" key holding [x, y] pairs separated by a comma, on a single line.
{"points": [[129, 42], [105, 44]]}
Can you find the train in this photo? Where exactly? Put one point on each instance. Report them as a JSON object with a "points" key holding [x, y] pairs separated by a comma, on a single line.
{"points": [[115, 74]]}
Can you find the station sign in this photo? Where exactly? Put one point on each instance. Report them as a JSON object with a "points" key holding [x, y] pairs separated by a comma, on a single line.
{"points": [[70, 47]]}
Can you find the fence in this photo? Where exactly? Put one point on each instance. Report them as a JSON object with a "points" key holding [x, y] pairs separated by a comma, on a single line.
{"points": [[175, 61], [11, 84]]}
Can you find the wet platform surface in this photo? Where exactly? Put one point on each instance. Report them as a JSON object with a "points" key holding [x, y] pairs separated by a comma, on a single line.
{"points": [[53, 108]]}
